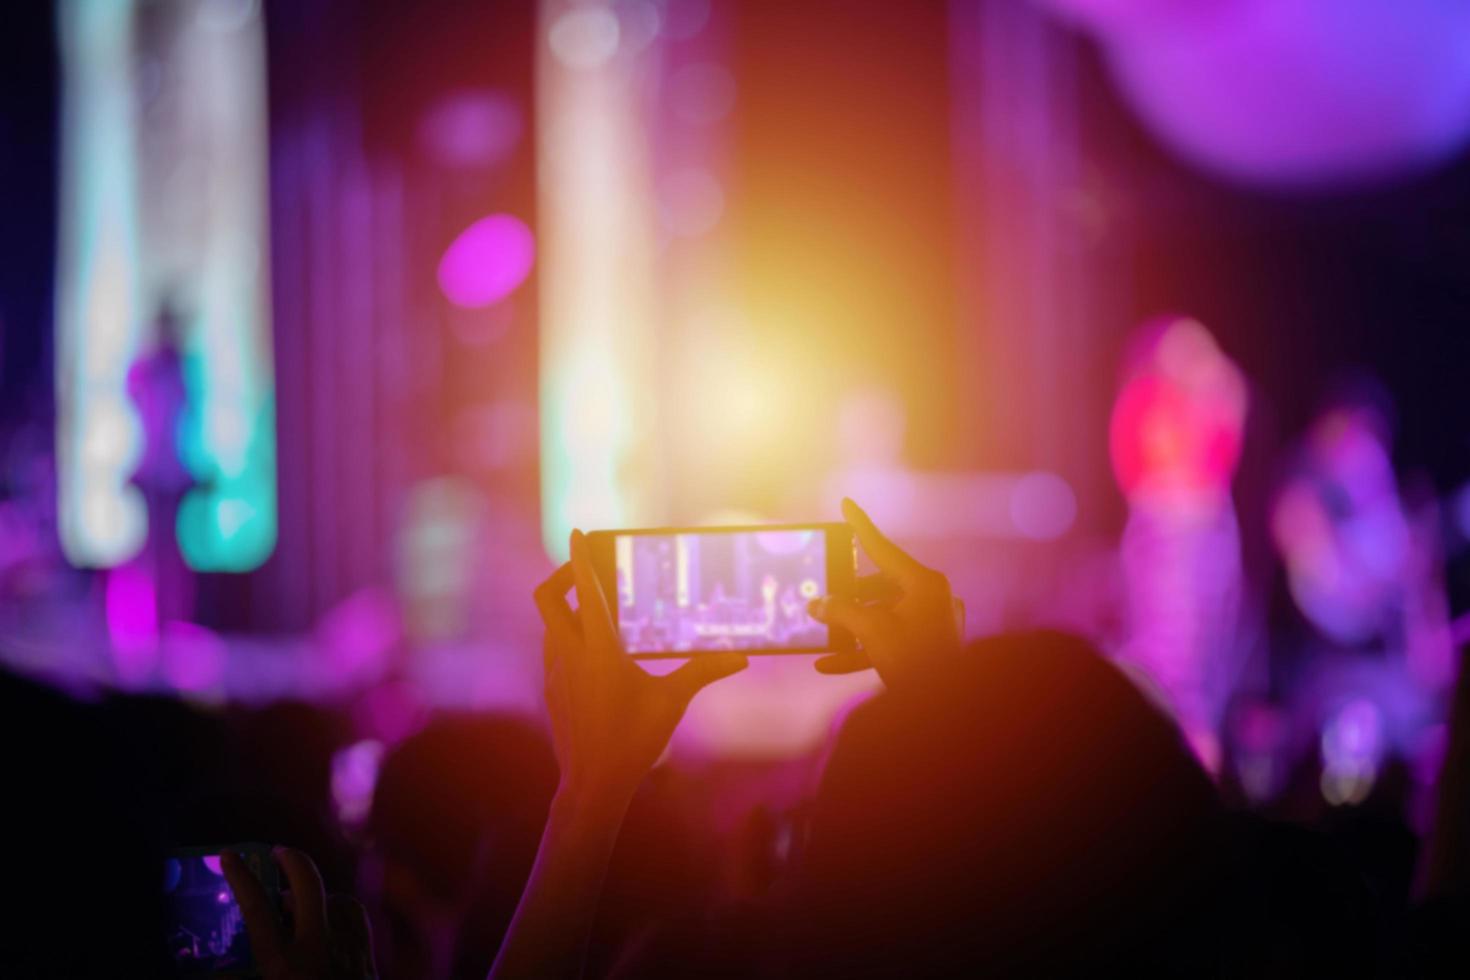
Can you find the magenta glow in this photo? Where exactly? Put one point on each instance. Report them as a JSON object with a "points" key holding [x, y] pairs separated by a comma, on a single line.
{"points": [[487, 262]]}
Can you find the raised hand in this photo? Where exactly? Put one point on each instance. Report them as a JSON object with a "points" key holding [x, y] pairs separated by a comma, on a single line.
{"points": [[902, 616], [326, 941], [610, 719]]}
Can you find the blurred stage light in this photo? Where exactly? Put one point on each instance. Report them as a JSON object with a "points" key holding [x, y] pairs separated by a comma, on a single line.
{"points": [[598, 291], [1301, 93], [142, 230], [436, 554], [99, 319], [131, 604], [471, 128], [355, 778], [1178, 423], [639, 22], [1043, 506], [585, 38], [488, 261], [193, 658], [1352, 752]]}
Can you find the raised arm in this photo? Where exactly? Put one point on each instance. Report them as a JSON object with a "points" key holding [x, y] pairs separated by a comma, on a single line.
{"points": [[610, 721]]}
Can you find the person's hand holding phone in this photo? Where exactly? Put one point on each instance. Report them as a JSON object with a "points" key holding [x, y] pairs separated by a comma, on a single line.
{"points": [[327, 939], [903, 615], [610, 719]]}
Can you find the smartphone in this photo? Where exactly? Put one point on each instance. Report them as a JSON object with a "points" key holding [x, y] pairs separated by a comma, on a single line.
{"points": [[206, 933], [679, 592]]}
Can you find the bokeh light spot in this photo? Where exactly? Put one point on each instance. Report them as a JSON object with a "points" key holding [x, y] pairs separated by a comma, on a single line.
{"points": [[487, 262], [585, 39], [1043, 506]]}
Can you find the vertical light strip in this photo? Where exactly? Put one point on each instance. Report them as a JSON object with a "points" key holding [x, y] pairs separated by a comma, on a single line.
{"points": [[99, 324], [164, 208], [598, 311], [227, 523]]}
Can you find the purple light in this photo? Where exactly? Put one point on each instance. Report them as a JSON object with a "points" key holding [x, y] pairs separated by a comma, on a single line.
{"points": [[132, 614], [472, 128], [211, 861], [487, 262], [1303, 93], [193, 657], [354, 777], [132, 623]]}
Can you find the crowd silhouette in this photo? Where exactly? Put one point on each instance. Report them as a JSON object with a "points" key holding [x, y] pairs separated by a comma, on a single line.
{"points": [[1013, 806]]}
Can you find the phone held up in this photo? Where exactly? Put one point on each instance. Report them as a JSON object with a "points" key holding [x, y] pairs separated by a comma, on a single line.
{"points": [[680, 592], [206, 933]]}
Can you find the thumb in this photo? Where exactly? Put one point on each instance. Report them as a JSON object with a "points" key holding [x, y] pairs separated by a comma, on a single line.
{"points": [[261, 925], [847, 662], [704, 669]]}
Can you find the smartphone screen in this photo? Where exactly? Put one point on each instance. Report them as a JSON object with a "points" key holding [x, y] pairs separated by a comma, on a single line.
{"points": [[206, 932], [681, 591]]}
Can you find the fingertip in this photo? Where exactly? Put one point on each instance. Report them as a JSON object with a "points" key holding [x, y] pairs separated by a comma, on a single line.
{"points": [[817, 608]]}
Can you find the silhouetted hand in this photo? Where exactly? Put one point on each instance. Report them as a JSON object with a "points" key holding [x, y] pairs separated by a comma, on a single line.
{"points": [[329, 940], [610, 719], [902, 615]]}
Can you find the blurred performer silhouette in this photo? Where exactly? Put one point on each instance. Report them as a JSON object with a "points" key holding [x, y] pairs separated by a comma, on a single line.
{"points": [[1364, 567], [1175, 439], [157, 387]]}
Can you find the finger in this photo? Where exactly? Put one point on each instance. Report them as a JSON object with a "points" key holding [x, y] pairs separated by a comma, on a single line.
{"points": [[307, 893], [261, 925], [877, 587], [847, 662], [704, 669], [551, 599], [889, 557], [592, 608], [863, 622], [352, 937]]}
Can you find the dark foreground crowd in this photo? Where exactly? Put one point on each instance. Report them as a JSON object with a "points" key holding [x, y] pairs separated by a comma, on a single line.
{"points": [[1010, 807]]}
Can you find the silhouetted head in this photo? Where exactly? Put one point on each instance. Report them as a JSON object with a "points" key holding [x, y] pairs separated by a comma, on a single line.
{"points": [[456, 818], [1023, 809]]}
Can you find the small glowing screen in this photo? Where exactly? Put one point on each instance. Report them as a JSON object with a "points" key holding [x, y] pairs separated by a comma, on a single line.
{"points": [[206, 932], [721, 590]]}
